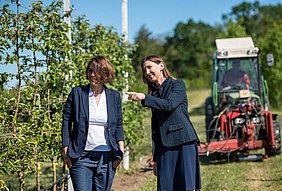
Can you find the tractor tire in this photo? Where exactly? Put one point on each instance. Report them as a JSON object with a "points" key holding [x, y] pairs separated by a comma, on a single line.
{"points": [[209, 114], [277, 137]]}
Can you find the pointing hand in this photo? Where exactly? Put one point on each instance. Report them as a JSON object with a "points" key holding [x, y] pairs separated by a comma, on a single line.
{"points": [[135, 96]]}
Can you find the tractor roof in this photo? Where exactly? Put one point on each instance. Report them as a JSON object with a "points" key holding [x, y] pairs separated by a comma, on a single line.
{"points": [[236, 47]]}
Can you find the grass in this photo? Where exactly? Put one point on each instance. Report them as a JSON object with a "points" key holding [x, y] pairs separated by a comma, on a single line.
{"points": [[46, 178], [150, 185]]}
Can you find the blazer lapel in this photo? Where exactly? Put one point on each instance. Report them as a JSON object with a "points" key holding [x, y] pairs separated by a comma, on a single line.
{"points": [[85, 100], [110, 102], [166, 89]]}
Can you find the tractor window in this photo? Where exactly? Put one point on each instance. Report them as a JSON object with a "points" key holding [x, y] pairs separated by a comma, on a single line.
{"points": [[250, 66], [237, 74]]}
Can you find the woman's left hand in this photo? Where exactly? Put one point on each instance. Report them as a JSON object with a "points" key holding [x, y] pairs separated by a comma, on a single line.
{"points": [[117, 163]]}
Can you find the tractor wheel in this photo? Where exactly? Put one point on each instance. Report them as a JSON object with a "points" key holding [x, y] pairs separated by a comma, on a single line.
{"points": [[277, 137], [209, 114]]}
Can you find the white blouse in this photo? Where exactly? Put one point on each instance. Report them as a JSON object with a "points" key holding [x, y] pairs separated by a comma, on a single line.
{"points": [[97, 138]]}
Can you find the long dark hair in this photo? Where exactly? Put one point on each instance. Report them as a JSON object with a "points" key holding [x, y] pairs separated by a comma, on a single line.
{"points": [[156, 59]]}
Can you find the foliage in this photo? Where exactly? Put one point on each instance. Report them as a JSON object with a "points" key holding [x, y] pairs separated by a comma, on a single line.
{"points": [[189, 50], [48, 65], [271, 43], [234, 29], [134, 128], [146, 45], [35, 41]]}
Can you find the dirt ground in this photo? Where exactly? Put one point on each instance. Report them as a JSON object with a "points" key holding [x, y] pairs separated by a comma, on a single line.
{"points": [[130, 182], [134, 179]]}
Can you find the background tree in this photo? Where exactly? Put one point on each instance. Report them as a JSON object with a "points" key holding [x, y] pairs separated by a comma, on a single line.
{"points": [[233, 29], [146, 45], [271, 43], [189, 52]]}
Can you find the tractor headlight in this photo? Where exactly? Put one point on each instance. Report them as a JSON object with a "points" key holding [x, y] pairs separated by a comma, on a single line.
{"points": [[255, 120], [253, 51], [239, 121], [222, 53]]}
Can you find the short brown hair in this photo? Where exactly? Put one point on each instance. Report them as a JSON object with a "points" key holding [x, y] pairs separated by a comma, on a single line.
{"points": [[102, 68]]}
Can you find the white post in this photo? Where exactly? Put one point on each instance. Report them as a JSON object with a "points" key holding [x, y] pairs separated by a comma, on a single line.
{"points": [[125, 162], [67, 18], [124, 20], [124, 96], [70, 186]]}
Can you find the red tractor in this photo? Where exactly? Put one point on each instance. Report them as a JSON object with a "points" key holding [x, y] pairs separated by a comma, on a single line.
{"points": [[237, 115]]}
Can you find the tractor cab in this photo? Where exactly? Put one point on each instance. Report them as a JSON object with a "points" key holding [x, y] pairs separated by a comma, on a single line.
{"points": [[237, 80], [237, 74]]}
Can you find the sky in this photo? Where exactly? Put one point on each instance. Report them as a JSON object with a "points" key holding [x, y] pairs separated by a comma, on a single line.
{"points": [[159, 16]]}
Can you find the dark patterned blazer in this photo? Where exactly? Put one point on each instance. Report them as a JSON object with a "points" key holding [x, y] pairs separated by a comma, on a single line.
{"points": [[171, 125], [75, 122]]}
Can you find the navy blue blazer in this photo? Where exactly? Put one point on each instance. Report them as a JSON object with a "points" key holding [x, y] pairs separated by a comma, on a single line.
{"points": [[76, 120], [170, 120]]}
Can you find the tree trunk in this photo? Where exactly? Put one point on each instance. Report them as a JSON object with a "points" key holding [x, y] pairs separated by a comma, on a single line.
{"points": [[54, 173], [21, 180], [38, 175]]}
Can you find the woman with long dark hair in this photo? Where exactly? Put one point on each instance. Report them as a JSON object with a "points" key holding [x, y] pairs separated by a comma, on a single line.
{"points": [[175, 142]]}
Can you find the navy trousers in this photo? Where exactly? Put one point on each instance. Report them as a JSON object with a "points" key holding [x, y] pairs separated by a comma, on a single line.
{"points": [[178, 168], [93, 171]]}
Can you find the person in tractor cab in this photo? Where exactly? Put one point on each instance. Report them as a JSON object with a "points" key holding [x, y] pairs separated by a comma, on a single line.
{"points": [[235, 76]]}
